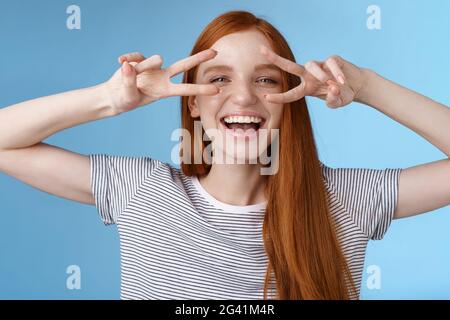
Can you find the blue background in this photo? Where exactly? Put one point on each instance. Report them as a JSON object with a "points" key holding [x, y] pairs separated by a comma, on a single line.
{"points": [[40, 234]]}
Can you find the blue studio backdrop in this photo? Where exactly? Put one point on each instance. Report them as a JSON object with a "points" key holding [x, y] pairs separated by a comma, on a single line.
{"points": [[45, 240]]}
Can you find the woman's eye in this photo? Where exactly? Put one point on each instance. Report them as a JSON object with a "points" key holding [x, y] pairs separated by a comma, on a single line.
{"points": [[268, 80], [215, 80], [263, 80]]}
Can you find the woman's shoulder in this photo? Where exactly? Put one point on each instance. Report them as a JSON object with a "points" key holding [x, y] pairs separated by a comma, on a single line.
{"points": [[116, 179], [369, 195], [130, 165], [352, 175]]}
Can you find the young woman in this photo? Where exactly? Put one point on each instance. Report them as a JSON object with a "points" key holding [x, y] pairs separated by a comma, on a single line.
{"points": [[223, 230]]}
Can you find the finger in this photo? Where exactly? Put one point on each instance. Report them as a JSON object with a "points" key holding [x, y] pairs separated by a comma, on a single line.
{"points": [[314, 68], [292, 95], [284, 64], [190, 62], [333, 98], [334, 87], [131, 57], [154, 62], [333, 65], [188, 89], [129, 78]]}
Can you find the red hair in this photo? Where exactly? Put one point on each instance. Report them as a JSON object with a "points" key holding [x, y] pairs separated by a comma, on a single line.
{"points": [[299, 237]]}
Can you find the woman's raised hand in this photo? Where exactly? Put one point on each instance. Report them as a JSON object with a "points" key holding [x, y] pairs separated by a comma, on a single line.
{"points": [[141, 81], [335, 80]]}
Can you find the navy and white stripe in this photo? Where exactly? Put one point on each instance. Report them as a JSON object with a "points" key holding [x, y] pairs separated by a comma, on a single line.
{"points": [[178, 242]]}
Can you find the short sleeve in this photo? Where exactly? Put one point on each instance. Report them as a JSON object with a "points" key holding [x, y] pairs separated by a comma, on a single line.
{"points": [[369, 195], [115, 180]]}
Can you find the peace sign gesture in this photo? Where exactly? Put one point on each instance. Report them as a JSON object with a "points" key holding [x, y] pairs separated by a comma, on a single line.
{"points": [[141, 81], [335, 80]]}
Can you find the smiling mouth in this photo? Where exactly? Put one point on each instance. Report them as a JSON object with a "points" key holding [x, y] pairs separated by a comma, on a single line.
{"points": [[245, 123]]}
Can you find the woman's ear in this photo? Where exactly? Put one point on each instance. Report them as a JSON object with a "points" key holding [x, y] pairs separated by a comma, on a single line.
{"points": [[192, 103]]}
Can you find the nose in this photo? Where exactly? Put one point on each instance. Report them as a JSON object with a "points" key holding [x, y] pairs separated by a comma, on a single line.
{"points": [[243, 94]]}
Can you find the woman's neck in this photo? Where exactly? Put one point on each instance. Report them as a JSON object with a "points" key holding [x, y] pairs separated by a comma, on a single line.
{"points": [[235, 184]]}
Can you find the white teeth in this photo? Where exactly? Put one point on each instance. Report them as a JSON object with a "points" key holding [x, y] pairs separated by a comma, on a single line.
{"points": [[243, 119]]}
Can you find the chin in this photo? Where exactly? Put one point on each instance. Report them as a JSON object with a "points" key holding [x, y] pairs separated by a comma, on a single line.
{"points": [[240, 153]]}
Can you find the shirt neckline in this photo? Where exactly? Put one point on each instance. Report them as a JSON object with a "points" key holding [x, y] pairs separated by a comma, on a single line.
{"points": [[225, 206]]}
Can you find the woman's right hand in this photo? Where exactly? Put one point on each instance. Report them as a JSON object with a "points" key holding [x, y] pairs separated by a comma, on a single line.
{"points": [[141, 81]]}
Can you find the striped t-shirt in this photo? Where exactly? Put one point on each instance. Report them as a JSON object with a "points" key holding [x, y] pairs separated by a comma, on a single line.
{"points": [[179, 242]]}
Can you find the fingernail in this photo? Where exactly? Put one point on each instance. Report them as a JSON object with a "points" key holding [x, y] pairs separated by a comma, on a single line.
{"points": [[341, 79], [126, 67], [338, 92]]}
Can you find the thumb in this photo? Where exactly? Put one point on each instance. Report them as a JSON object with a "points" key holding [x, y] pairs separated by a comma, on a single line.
{"points": [[128, 75], [333, 98], [131, 92]]}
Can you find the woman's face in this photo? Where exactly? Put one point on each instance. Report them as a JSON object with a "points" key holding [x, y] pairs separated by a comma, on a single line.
{"points": [[239, 115]]}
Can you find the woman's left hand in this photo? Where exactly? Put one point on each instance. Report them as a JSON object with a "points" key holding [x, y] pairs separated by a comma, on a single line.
{"points": [[335, 80]]}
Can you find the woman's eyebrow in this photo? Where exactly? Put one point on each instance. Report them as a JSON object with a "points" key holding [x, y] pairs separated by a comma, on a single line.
{"points": [[266, 66], [217, 68], [258, 67]]}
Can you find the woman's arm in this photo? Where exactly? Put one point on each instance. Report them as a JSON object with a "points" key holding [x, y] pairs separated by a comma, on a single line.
{"points": [[423, 115], [51, 169], [66, 174], [138, 82], [27, 123], [425, 187], [422, 188]]}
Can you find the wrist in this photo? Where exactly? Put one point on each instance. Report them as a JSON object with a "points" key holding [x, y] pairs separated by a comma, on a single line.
{"points": [[367, 79], [105, 105]]}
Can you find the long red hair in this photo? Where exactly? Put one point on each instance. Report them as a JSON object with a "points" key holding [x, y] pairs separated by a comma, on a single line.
{"points": [[299, 236]]}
